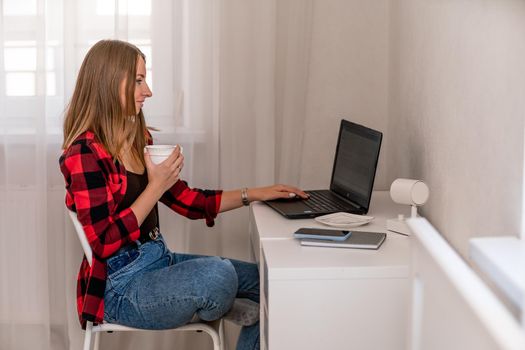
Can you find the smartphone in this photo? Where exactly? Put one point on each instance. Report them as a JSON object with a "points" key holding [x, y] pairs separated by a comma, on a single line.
{"points": [[319, 233]]}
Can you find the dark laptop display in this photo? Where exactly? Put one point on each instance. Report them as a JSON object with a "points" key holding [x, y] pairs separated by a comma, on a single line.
{"points": [[352, 180]]}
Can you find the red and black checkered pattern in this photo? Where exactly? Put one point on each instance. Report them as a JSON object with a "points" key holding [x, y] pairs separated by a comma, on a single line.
{"points": [[95, 185]]}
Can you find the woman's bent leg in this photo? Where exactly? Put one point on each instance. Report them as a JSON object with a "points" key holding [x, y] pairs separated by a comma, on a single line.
{"points": [[248, 287], [170, 296], [249, 338], [248, 277]]}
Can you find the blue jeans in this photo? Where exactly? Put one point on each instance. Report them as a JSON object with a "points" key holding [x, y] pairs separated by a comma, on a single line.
{"points": [[152, 288]]}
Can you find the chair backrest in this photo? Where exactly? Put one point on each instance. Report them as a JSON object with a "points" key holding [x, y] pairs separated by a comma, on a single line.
{"points": [[81, 236]]}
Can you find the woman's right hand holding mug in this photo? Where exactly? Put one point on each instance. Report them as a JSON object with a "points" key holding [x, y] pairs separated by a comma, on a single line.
{"points": [[164, 175]]}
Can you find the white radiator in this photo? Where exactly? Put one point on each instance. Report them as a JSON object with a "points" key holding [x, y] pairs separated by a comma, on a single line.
{"points": [[451, 306]]}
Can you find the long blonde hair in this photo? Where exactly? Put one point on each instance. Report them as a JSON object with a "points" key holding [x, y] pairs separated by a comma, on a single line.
{"points": [[96, 103]]}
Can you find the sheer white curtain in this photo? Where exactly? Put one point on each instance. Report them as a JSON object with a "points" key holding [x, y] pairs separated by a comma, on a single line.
{"points": [[217, 70]]}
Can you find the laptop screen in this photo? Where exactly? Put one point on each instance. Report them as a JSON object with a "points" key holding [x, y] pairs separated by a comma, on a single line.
{"points": [[356, 162]]}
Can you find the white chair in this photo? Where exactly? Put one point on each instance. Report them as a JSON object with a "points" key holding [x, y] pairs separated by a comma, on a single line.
{"points": [[217, 335]]}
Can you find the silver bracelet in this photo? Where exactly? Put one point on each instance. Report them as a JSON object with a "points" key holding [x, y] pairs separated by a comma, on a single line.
{"points": [[244, 196]]}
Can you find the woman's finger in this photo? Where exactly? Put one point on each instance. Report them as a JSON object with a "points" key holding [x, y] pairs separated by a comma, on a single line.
{"points": [[147, 159], [173, 156], [176, 167], [293, 191], [284, 194], [178, 162]]}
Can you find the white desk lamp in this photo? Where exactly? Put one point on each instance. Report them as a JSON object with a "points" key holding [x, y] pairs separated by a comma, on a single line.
{"points": [[406, 191]]}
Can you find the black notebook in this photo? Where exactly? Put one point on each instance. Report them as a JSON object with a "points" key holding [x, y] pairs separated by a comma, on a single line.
{"points": [[353, 174]]}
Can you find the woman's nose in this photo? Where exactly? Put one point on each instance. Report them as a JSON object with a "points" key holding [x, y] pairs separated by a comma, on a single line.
{"points": [[147, 91]]}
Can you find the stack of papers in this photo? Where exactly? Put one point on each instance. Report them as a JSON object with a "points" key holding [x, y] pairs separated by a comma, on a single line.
{"points": [[344, 220]]}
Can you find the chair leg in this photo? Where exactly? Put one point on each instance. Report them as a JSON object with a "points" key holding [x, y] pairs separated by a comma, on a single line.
{"points": [[216, 340], [216, 333], [222, 344], [88, 335], [97, 341]]}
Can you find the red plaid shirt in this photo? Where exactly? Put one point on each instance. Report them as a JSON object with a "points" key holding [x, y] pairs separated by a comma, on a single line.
{"points": [[95, 185]]}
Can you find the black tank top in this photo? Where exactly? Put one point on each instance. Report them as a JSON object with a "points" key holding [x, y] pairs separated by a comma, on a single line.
{"points": [[136, 184]]}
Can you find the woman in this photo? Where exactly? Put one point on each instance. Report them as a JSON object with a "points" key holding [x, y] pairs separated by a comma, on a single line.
{"points": [[114, 187]]}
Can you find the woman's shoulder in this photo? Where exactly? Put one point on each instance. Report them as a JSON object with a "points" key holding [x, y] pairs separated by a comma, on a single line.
{"points": [[84, 149], [87, 143]]}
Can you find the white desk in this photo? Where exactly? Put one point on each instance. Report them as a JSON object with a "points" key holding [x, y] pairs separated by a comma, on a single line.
{"points": [[328, 298]]}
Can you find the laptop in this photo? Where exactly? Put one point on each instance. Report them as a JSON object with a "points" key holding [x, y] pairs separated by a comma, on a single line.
{"points": [[353, 175]]}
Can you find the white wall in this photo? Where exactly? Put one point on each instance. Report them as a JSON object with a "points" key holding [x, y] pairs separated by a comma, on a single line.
{"points": [[347, 77], [444, 81], [457, 104]]}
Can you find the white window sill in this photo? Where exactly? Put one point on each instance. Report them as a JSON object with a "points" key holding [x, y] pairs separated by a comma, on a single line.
{"points": [[502, 259], [28, 135], [179, 135]]}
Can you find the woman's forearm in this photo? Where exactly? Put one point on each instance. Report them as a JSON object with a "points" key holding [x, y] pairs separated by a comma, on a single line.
{"points": [[233, 199]]}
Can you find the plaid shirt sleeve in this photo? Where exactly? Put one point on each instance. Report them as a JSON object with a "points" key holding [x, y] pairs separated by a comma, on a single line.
{"points": [[193, 203], [92, 182]]}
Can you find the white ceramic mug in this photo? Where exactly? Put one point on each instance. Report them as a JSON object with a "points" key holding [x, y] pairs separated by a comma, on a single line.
{"points": [[159, 153]]}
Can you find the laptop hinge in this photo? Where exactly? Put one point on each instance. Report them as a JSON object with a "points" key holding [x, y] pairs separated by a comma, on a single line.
{"points": [[348, 201]]}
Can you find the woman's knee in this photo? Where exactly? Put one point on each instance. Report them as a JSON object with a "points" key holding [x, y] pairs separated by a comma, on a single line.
{"points": [[224, 275], [231, 281], [220, 288]]}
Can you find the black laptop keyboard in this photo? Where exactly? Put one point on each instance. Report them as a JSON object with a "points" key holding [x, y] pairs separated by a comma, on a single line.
{"points": [[322, 201]]}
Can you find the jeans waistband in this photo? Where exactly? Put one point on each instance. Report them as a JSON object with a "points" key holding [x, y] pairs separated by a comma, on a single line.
{"points": [[153, 235]]}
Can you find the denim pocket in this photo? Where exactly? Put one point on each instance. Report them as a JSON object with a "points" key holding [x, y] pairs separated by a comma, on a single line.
{"points": [[120, 263]]}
